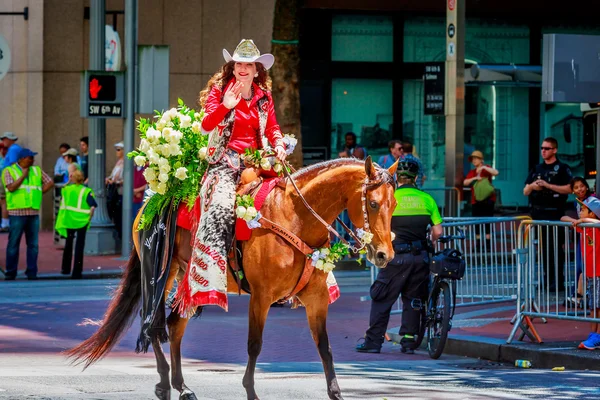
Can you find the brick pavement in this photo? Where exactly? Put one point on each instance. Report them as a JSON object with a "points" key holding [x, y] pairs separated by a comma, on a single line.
{"points": [[50, 257]]}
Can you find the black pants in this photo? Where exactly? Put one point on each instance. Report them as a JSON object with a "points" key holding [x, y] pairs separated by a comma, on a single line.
{"points": [[68, 252], [484, 208], [548, 243], [407, 274]]}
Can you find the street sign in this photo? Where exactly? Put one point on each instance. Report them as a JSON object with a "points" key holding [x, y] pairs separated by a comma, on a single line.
{"points": [[433, 89], [102, 94], [4, 57], [451, 49], [451, 31]]}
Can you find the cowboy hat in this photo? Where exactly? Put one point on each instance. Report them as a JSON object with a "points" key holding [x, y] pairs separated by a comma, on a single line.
{"points": [[247, 51], [70, 152], [476, 154]]}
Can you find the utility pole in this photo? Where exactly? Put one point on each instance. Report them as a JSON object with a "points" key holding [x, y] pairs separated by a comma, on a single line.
{"points": [[100, 239], [131, 11], [455, 95]]}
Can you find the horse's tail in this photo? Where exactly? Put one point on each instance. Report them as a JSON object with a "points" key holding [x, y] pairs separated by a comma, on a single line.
{"points": [[118, 317]]}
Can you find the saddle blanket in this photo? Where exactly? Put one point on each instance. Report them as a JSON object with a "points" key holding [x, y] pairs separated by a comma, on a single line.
{"points": [[188, 219]]}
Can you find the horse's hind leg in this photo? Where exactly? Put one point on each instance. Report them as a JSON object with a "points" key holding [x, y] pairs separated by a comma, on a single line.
{"points": [[317, 303], [162, 390], [177, 327], [259, 309]]}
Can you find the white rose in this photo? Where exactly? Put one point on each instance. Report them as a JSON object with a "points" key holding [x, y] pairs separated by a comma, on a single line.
{"points": [[250, 213], [164, 169], [144, 146], [265, 164], [172, 113], [320, 264], [165, 150], [163, 177], [149, 174], [162, 161], [278, 168], [196, 127], [240, 212], [166, 133], [176, 137], [174, 149], [140, 161], [153, 186], [197, 116], [181, 173], [153, 157], [202, 153], [325, 251], [161, 188], [185, 121], [328, 267], [152, 135]]}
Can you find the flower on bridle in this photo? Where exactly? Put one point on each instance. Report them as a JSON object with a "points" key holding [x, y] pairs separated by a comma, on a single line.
{"points": [[325, 258], [364, 236]]}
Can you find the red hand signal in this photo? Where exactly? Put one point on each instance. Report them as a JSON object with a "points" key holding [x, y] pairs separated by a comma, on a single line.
{"points": [[94, 88]]}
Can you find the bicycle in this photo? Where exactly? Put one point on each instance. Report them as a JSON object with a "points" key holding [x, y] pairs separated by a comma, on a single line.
{"points": [[446, 267]]}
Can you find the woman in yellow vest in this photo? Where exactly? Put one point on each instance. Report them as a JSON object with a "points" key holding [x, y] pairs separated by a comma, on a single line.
{"points": [[76, 209]]}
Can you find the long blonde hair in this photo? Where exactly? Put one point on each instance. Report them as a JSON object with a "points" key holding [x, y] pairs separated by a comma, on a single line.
{"points": [[224, 75]]}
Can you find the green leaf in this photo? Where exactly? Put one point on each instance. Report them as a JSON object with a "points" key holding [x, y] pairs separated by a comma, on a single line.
{"points": [[179, 101]]}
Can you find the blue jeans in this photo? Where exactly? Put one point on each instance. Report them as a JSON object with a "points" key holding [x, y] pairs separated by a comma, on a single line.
{"points": [[29, 225]]}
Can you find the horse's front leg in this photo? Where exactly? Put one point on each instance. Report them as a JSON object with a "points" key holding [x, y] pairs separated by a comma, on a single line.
{"points": [[177, 327], [162, 390], [315, 298], [259, 309]]}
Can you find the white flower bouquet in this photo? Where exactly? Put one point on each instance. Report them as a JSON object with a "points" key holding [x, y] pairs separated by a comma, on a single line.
{"points": [[325, 258], [174, 152]]}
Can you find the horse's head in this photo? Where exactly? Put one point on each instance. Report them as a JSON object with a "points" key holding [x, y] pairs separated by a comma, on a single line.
{"points": [[372, 208]]}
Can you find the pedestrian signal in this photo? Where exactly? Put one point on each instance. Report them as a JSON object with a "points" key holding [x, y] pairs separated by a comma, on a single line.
{"points": [[102, 87]]}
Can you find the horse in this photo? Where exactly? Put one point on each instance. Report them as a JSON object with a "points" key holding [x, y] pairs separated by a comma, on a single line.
{"points": [[271, 265]]}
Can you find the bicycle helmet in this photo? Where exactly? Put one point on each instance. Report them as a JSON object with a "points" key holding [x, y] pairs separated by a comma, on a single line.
{"points": [[408, 168]]}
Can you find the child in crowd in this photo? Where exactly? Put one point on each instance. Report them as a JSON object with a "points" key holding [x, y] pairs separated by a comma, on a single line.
{"points": [[581, 190], [590, 213]]}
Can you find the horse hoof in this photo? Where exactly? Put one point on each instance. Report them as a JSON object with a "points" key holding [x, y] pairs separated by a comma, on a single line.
{"points": [[162, 394], [188, 396]]}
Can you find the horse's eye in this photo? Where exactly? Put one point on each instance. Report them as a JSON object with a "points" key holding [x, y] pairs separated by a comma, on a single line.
{"points": [[373, 205]]}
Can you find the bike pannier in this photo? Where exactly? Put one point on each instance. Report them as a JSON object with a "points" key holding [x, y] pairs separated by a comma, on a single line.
{"points": [[448, 264]]}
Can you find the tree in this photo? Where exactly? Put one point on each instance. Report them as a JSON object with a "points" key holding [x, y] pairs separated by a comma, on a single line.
{"points": [[285, 72]]}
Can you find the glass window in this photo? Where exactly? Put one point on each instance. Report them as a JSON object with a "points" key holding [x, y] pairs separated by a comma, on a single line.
{"points": [[362, 106], [362, 38], [486, 41], [564, 122]]}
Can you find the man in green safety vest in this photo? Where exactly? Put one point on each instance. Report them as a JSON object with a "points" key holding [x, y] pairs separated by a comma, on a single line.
{"points": [[74, 215], [24, 183], [408, 272]]}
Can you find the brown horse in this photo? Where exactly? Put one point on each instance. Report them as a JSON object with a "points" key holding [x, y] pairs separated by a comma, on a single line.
{"points": [[271, 265]]}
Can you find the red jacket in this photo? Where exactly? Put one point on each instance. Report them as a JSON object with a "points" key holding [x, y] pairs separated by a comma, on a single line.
{"points": [[245, 126]]}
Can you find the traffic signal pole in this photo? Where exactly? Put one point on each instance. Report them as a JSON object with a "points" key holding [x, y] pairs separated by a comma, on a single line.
{"points": [[100, 238], [131, 10], [455, 95]]}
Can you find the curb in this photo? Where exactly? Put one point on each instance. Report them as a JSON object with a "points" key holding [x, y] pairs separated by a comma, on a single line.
{"points": [[546, 355], [101, 274]]}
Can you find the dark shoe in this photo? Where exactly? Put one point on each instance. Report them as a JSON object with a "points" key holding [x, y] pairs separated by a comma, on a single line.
{"points": [[32, 278], [408, 344], [63, 272], [9, 278], [366, 347], [77, 277], [4, 230], [407, 351]]}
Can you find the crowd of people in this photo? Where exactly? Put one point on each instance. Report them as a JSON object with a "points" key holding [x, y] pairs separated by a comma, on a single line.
{"points": [[21, 191]]}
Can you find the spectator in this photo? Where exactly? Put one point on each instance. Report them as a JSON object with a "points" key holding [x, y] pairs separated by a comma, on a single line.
{"points": [[114, 189], [483, 198], [73, 219], [352, 149], [590, 213], [548, 187], [11, 156], [407, 148], [61, 175], [396, 152], [83, 159], [582, 191], [71, 157], [139, 187], [24, 184]]}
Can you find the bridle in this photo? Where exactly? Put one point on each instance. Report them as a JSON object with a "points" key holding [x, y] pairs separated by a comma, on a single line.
{"points": [[383, 177]]}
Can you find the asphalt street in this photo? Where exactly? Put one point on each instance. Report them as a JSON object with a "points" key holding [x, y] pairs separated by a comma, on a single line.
{"points": [[40, 319]]}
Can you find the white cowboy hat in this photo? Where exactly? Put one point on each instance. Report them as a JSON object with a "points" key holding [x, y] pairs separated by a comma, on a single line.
{"points": [[247, 51]]}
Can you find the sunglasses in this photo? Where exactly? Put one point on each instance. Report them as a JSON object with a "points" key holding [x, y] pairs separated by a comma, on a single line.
{"points": [[548, 148], [118, 149]]}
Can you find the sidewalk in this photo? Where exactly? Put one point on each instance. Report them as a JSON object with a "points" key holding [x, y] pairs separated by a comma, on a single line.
{"points": [[481, 332], [50, 259]]}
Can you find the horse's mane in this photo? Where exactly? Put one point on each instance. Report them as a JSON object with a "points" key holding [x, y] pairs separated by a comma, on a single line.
{"points": [[308, 173]]}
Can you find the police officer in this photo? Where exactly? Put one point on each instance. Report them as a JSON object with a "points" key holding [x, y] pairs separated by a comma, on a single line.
{"points": [[548, 186], [408, 272]]}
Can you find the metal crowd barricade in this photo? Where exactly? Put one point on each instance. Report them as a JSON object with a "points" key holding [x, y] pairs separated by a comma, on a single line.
{"points": [[491, 265], [547, 252]]}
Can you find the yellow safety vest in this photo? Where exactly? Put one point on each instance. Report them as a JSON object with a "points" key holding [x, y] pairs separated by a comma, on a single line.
{"points": [[29, 194], [74, 211]]}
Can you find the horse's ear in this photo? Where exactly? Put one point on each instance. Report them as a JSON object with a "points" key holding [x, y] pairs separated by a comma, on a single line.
{"points": [[394, 167], [370, 168]]}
